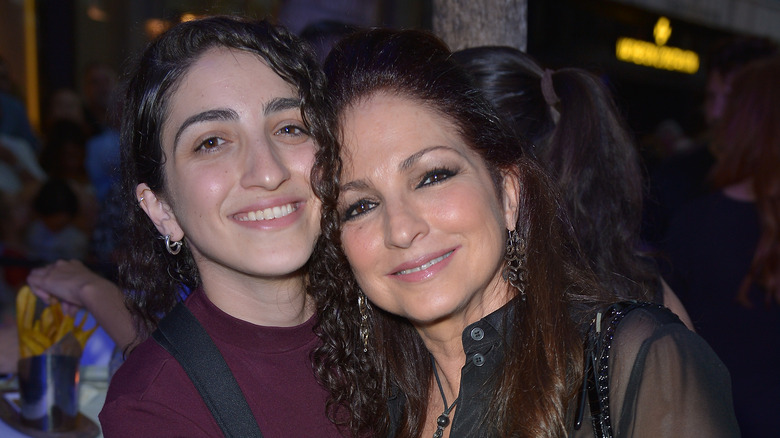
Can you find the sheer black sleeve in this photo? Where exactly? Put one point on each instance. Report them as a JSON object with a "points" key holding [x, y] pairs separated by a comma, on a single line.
{"points": [[666, 381]]}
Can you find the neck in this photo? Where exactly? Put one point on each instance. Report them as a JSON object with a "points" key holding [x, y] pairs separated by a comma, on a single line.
{"points": [[443, 339], [271, 302], [448, 360]]}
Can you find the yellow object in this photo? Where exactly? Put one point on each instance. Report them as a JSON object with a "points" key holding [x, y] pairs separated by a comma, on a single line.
{"points": [[38, 335]]}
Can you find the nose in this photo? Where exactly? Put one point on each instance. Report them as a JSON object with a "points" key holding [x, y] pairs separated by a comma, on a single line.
{"points": [[404, 224], [265, 167]]}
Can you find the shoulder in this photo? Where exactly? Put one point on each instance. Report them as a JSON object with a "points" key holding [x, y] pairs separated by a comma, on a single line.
{"points": [[652, 326], [660, 369], [142, 367], [151, 394], [652, 340]]}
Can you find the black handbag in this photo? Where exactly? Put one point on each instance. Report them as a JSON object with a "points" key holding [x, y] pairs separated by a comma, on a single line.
{"points": [[184, 337]]}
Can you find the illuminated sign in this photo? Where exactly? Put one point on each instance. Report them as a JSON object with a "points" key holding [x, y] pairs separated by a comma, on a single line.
{"points": [[657, 55]]}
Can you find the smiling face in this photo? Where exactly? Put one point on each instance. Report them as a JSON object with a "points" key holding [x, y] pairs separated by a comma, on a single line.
{"points": [[237, 172], [424, 228]]}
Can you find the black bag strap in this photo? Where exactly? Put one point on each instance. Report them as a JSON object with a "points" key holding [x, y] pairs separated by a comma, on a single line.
{"points": [[185, 338], [598, 344]]}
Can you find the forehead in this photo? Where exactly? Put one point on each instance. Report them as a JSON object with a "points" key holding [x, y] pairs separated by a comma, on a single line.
{"points": [[223, 70], [385, 125], [228, 79]]}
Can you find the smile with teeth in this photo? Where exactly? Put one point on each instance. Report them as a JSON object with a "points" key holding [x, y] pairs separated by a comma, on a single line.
{"points": [[424, 265], [268, 213]]}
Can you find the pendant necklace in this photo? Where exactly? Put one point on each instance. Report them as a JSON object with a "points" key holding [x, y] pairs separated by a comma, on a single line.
{"points": [[444, 419]]}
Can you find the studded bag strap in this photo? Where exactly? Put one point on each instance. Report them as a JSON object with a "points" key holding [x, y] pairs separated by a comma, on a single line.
{"points": [[598, 347]]}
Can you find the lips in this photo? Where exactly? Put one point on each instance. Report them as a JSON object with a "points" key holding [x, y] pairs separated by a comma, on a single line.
{"points": [[411, 268], [269, 213]]}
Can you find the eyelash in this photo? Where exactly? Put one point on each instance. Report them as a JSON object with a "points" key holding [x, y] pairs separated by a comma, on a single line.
{"points": [[351, 211], [436, 176], [430, 178], [291, 127]]}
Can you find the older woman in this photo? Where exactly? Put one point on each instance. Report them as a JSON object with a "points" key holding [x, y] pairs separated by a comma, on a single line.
{"points": [[477, 311]]}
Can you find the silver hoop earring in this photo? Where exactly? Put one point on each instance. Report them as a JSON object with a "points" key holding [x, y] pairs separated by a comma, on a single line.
{"points": [[514, 271], [172, 246], [364, 308]]}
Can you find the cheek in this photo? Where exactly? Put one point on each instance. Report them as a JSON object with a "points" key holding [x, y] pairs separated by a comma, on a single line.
{"points": [[198, 190], [358, 246], [470, 209], [301, 158]]}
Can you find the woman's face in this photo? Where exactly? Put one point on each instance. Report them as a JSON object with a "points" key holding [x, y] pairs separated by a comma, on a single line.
{"points": [[424, 228], [237, 170]]}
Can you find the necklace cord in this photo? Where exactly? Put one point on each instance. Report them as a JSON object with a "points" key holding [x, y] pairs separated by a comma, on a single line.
{"points": [[444, 419], [438, 383]]}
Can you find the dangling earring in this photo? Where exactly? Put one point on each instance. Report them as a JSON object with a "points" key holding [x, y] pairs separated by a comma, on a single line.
{"points": [[172, 246], [364, 307], [514, 270]]}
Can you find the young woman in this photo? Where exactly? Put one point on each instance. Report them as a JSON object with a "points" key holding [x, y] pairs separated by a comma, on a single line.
{"points": [[578, 135], [218, 143], [479, 305]]}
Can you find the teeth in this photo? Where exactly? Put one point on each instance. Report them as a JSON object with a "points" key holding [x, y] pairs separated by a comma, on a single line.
{"points": [[268, 213], [424, 265]]}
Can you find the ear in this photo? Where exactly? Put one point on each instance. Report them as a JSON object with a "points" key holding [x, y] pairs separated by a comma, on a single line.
{"points": [[159, 212], [511, 196]]}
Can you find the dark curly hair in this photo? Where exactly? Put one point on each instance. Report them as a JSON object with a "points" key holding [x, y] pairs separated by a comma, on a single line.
{"points": [[585, 145], [154, 280], [543, 368]]}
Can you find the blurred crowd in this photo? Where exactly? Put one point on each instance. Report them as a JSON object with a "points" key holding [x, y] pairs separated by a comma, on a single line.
{"points": [[56, 183]]}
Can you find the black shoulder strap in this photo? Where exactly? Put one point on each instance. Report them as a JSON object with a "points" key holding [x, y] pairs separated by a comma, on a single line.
{"points": [[186, 339], [597, 351]]}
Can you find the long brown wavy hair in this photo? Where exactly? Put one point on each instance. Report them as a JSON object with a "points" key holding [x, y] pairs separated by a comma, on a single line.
{"points": [[543, 367], [748, 143]]}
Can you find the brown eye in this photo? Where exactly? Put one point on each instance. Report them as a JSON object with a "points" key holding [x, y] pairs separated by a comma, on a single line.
{"points": [[358, 208], [292, 134], [436, 176], [210, 144], [291, 130]]}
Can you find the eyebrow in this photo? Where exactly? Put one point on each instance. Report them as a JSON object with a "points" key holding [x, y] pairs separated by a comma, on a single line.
{"points": [[415, 157], [358, 185], [205, 116], [275, 105], [281, 104]]}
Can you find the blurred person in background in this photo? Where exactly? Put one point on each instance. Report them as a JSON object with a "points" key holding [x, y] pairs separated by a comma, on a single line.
{"points": [[100, 85], [323, 35], [579, 136], [63, 156], [682, 177], [7, 84], [723, 249], [53, 233], [14, 121]]}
